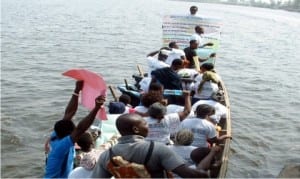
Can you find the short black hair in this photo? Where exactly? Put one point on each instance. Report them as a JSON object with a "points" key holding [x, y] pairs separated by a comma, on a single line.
{"points": [[85, 141], [63, 128], [177, 62], [172, 44], [207, 66], [124, 98], [203, 110]]}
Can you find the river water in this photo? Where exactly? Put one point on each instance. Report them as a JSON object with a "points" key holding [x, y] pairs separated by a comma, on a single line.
{"points": [[258, 61]]}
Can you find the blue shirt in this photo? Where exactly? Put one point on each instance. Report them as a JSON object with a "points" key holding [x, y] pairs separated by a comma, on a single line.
{"points": [[61, 157]]}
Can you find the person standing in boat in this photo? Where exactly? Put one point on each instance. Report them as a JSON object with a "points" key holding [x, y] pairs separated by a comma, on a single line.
{"points": [[199, 31], [61, 156], [193, 11]]}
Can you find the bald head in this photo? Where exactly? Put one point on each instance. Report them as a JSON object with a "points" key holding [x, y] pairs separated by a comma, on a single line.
{"points": [[132, 124]]}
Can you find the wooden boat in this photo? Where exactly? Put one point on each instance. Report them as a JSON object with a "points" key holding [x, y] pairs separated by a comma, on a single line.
{"points": [[226, 129]]}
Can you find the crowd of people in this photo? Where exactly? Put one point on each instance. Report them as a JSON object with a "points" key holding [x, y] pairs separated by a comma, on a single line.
{"points": [[182, 126]]}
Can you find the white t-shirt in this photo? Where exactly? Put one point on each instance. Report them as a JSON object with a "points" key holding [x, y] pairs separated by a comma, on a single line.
{"points": [[208, 89], [221, 110], [154, 63], [161, 131], [184, 152], [141, 109], [174, 54], [145, 83], [198, 38], [201, 128]]}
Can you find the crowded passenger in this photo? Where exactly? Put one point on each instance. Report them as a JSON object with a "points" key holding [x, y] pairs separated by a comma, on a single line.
{"points": [[156, 59], [198, 35], [206, 83], [161, 124], [132, 147], [169, 78], [61, 155], [205, 133]]}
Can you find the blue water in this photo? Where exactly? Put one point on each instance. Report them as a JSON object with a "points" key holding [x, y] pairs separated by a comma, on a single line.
{"points": [[258, 61]]}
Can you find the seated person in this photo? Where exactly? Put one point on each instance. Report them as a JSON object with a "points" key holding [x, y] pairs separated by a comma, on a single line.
{"points": [[162, 125], [182, 145], [147, 100], [205, 133], [132, 147], [206, 83], [158, 62]]}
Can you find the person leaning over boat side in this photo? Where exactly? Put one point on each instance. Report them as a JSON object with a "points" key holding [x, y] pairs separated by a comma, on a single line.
{"points": [[132, 147], [162, 125], [175, 53], [169, 78], [60, 159], [205, 133], [159, 61]]}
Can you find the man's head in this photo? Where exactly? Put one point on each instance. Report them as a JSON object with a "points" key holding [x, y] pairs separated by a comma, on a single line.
{"points": [[124, 98], [173, 45], [132, 124], [184, 137], [199, 30], [204, 110], [63, 128], [177, 64], [86, 142], [194, 44], [155, 86], [193, 10], [206, 67], [157, 110], [163, 54]]}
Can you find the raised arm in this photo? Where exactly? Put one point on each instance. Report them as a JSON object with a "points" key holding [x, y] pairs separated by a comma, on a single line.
{"points": [[86, 122], [187, 105], [73, 103]]}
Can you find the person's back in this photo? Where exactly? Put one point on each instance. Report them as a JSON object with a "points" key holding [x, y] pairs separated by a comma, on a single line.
{"points": [[168, 76], [182, 145], [201, 128], [133, 148], [208, 89], [136, 151], [60, 159]]}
